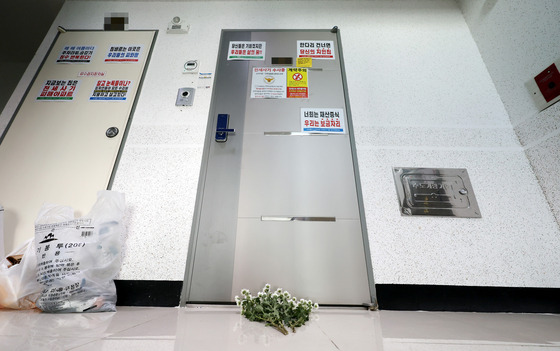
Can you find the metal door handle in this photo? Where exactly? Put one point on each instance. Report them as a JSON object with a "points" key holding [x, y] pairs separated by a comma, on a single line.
{"points": [[222, 129], [294, 219]]}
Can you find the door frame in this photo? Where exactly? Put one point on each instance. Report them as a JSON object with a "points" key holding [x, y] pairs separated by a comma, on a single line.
{"points": [[209, 139]]}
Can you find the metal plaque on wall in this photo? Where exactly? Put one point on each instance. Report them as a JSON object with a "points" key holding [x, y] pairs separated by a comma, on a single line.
{"points": [[435, 192]]}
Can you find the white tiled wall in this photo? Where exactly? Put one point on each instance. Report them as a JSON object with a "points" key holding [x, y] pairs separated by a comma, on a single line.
{"points": [[421, 96], [517, 40]]}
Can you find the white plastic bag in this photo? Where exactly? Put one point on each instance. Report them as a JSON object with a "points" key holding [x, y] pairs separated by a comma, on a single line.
{"points": [[1, 231], [77, 259], [18, 285]]}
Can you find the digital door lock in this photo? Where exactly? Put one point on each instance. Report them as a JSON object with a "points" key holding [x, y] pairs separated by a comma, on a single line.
{"points": [[222, 129]]}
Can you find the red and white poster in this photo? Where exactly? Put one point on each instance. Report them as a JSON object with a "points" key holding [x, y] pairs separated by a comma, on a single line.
{"points": [[58, 90], [297, 85], [322, 120], [316, 49]]}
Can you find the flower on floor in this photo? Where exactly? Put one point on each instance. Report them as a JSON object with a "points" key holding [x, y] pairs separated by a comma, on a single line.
{"points": [[279, 309]]}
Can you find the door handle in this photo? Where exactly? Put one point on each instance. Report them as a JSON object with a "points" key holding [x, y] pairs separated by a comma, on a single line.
{"points": [[222, 129]]}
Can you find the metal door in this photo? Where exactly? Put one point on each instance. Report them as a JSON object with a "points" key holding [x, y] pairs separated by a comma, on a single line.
{"points": [[276, 203], [62, 143]]}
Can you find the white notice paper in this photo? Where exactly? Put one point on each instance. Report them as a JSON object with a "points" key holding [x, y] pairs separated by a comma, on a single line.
{"points": [[268, 83]]}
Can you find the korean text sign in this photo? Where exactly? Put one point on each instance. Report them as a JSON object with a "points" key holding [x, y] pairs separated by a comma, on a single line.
{"points": [[316, 49], [111, 90], [76, 54], [124, 53], [322, 120], [58, 90], [246, 50]]}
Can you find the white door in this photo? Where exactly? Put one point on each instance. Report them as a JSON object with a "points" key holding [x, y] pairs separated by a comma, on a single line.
{"points": [[278, 201], [62, 144]]}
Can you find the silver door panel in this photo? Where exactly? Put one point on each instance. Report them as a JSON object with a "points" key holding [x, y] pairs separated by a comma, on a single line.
{"points": [[312, 260], [297, 176]]}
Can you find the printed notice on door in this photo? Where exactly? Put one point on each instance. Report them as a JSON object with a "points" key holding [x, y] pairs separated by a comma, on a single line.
{"points": [[246, 50], [124, 53], [58, 90], [268, 83], [316, 49], [322, 120], [111, 90], [76, 54], [298, 86]]}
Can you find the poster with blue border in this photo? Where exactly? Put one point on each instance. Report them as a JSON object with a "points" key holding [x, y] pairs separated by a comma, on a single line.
{"points": [[323, 120], [111, 90], [129, 53]]}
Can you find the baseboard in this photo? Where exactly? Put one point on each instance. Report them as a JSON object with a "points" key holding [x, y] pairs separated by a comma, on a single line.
{"points": [[153, 293], [467, 298], [402, 297]]}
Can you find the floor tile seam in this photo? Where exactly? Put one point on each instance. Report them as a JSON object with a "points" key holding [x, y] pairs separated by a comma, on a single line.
{"points": [[138, 324], [50, 336], [327, 336], [93, 341], [136, 338], [467, 342]]}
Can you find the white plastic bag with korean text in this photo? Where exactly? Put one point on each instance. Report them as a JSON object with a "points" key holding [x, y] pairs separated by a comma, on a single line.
{"points": [[18, 285], [78, 258]]}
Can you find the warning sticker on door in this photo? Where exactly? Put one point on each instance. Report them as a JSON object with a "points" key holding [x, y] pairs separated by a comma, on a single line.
{"points": [[58, 90], [316, 49], [304, 62], [111, 90], [246, 50], [76, 54], [322, 120], [268, 83], [124, 53], [297, 85]]}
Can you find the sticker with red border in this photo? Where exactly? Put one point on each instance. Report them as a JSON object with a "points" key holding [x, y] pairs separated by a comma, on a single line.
{"points": [[58, 90], [298, 84], [316, 49]]}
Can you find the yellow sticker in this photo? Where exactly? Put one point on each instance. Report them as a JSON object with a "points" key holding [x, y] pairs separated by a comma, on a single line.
{"points": [[304, 62], [297, 83]]}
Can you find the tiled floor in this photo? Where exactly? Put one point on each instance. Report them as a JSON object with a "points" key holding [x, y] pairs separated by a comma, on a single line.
{"points": [[223, 329]]}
